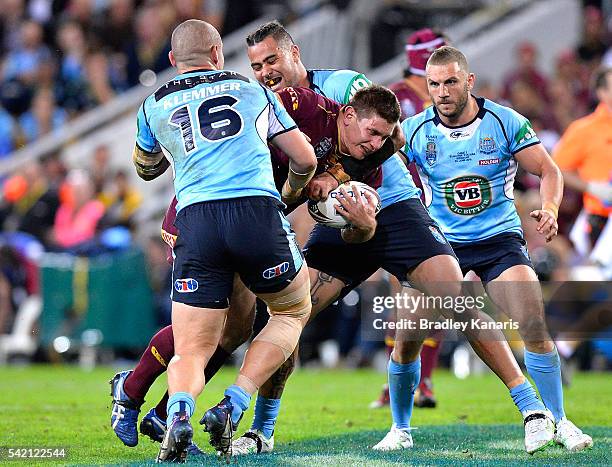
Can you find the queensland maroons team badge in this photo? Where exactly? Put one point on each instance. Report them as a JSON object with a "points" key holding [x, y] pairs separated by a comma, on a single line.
{"points": [[468, 195]]}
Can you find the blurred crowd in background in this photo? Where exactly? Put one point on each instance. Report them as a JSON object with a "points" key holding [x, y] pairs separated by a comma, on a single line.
{"points": [[60, 58]]}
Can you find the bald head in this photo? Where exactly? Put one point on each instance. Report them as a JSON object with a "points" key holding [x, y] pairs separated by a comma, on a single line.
{"points": [[193, 42]]}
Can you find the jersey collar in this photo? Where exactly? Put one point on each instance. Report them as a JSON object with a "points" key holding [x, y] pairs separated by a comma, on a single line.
{"points": [[480, 114], [198, 70], [311, 83]]}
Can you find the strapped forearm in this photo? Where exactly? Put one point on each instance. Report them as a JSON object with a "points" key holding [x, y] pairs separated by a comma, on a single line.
{"points": [[297, 180], [337, 171], [149, 165]]}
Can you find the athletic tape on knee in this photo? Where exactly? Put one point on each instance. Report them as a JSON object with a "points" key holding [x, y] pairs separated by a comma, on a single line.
{"points": [[295, 304], [283, 331]]}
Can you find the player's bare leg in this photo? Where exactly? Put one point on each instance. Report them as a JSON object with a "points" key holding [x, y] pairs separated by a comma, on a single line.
{"points": [[289, 311], [404, 369], [324, 289], [517, 292], [129, 388], [440, 276], [196, 334]]}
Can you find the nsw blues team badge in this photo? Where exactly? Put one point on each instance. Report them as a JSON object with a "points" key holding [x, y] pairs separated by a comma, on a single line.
{"points": [[185, 285], [487, 145], [431, 153]]}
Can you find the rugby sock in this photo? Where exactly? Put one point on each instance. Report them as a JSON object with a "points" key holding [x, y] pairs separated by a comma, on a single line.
{"points": [[180, 402], [429, 356], [266, 412], [240, 399], [403, 381], [545, 370], [160, 408], [152, 364], [216, 361], [525, 398], [219, 357]]}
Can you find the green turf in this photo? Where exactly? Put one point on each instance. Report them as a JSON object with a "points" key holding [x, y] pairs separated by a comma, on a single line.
{"points": [[324, 420]]}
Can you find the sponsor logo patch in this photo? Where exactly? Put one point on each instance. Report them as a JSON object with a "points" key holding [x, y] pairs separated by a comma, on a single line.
{"points": [[525, 252], [525, 133], [468, 195], [185, 285], [437, 234], [276, 271], [357, 83], [488, 161]]}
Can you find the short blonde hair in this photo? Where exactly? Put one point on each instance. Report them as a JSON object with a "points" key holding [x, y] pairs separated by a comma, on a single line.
{"points": [[447, 54]]}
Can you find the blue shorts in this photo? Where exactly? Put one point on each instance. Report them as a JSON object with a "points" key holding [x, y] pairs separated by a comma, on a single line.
{"points": [[405, 237], [249, 236], [489, 258]]}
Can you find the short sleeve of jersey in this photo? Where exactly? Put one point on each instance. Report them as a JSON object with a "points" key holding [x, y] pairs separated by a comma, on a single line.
{"points": [[520, 132], [279, 120], [144, 136], [342, 85], [408, 127], [568, 152]]}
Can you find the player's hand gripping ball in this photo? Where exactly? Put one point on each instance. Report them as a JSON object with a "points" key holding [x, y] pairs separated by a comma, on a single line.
{"points": [[324, 212]]}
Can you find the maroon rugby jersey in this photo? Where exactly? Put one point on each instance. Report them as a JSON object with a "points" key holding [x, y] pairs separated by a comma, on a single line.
{"points": [[316, 116], [410, 101]]}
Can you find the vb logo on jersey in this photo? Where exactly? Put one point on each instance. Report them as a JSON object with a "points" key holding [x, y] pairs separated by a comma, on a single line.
{"points": [[468, 195]]}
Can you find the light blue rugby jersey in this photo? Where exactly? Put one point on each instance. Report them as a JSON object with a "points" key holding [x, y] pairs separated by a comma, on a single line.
{"points": [[468, 171], [214, 126], [341, 86]]}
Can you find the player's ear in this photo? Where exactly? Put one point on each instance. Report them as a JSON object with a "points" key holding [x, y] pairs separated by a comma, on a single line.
{"points": [[348, 114], [295, 53], [471, 81], [171, 58], [216, 55]]}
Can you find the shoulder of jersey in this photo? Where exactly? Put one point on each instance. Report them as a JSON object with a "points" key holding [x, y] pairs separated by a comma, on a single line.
{"points": [[419, 119], [498, 109], [329, 73]]}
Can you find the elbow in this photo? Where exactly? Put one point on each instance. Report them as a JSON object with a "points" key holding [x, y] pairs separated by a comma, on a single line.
{"points": [[309, 162], [552, 170]]}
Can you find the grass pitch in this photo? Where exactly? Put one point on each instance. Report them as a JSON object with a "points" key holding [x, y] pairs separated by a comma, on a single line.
{"points": [[324, 420]]}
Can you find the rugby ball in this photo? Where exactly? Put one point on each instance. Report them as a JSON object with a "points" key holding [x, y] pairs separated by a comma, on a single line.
{"points": [[324, 212]]}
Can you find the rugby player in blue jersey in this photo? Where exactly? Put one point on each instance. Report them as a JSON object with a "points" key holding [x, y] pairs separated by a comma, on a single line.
{"points": [[212, 126], [427, 259], [467, 150], [423, 257]]}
